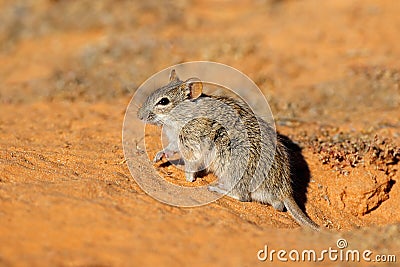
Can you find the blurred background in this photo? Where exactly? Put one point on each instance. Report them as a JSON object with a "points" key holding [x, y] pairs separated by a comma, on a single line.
{"points": [[334, 51]]}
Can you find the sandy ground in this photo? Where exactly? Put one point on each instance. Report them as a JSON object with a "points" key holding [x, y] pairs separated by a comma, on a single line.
{"points": [[329, 70]]}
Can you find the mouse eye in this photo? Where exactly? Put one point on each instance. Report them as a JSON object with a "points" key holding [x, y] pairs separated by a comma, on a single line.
{"points": [[164, 101]]}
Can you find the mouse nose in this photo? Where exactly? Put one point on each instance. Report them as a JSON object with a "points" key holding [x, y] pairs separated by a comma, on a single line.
{"points": [[142, 114]]}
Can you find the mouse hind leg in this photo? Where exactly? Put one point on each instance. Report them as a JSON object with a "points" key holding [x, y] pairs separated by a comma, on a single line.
{"points": [[233, 193], [268, 198], [278, 205]]}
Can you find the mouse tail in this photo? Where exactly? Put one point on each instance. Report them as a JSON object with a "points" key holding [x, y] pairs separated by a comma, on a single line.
{"points": [[299, 215]]}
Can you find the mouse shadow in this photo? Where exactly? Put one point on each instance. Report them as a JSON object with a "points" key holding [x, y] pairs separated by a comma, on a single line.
{"points": [[299, 171], [181, 163]]}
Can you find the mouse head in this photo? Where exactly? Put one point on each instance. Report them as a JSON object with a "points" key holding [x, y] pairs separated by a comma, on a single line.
{"points": [[158, 104]]}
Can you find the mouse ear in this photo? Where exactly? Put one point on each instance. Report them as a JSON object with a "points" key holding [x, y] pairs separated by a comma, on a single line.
{"points": [[173, 76], [195, 86]]}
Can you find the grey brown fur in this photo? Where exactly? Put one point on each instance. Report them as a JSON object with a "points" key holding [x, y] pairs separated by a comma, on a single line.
{"points": [[223, 135]]}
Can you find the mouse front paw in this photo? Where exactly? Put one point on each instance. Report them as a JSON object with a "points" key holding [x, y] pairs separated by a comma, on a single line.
{"points": [[163, 153], [190, 176], [159, 156]]}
